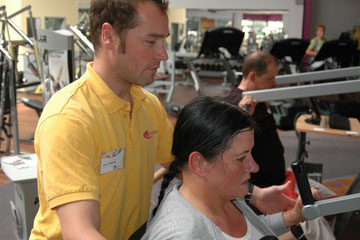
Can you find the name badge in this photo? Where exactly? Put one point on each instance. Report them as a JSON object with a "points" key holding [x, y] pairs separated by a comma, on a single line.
{"points": [[112, 160]]}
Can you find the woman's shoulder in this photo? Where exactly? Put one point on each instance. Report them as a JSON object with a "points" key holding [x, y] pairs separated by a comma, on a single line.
{"points": [[175, 206], [178, 219]]}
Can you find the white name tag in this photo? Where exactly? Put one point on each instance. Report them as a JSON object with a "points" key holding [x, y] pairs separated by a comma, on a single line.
{"points": [[112, 160]]}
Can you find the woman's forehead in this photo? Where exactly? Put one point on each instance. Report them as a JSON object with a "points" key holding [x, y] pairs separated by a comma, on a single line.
{"points": [[241, 142]]}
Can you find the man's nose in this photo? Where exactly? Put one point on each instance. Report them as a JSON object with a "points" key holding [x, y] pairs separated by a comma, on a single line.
{"points": [[161, 54]]}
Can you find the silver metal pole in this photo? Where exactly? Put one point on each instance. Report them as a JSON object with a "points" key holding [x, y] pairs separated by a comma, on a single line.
{"points": [[312, 90], [82, 38], [18, 30], [317, 75]]}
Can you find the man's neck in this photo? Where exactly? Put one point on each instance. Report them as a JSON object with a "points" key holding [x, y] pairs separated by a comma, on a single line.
{"points": [[121, 89]]}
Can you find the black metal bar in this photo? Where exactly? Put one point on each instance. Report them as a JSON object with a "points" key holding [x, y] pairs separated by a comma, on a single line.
{"points": [[301, 149], [302, 182]]}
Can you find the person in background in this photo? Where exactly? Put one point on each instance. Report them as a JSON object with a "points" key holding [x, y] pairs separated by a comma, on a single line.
{"points": [[212, 149], [356, 39], [99, 138], [259, 72], [316, 42]]}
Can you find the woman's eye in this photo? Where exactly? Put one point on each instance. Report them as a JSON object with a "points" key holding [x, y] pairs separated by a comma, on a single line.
{"points": [[241, 159]]}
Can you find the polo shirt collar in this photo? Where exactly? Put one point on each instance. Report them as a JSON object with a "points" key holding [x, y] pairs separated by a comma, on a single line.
{"points": [[111, 101]]}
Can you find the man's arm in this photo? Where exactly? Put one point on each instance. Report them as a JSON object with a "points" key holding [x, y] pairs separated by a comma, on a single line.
{"points": [[311, 52], [80, 220]]}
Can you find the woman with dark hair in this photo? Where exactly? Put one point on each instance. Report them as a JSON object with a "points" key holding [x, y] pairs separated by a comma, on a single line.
{"points": [[212, 149]]}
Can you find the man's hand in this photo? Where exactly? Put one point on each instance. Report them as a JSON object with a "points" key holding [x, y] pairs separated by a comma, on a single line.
{"points": [[272, 199], [248, 103]]}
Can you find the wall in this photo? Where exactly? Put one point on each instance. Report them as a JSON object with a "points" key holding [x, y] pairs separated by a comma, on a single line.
{"points": [[338, 16], [68, 9], [12, 6], [45, 8], [41, 9], [293, 26]]}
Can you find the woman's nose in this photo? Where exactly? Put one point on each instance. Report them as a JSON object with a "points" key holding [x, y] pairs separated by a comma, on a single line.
{"points": [[251, 165]]}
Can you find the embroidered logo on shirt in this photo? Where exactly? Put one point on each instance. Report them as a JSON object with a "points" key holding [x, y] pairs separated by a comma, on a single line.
{"points": [[149, 134]]}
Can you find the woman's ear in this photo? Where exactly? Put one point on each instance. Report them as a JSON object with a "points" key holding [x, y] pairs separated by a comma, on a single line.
{"points": [[197, 163]]}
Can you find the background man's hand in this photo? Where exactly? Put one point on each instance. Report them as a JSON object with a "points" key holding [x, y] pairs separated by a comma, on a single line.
{"points": [[248, 103]]}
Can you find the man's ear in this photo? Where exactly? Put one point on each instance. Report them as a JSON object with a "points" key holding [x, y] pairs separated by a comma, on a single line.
{"points": [[198, 164], [252, 76], [108, 36]]}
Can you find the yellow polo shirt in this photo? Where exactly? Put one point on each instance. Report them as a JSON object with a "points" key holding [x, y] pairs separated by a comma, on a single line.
{"points": [[88, 147]]}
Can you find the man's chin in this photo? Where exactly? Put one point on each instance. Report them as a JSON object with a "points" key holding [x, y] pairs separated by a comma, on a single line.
{"points": [[146, 81]]}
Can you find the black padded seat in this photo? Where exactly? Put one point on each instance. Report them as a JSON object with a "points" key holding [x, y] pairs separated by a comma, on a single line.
{"points": [[37, 105]]}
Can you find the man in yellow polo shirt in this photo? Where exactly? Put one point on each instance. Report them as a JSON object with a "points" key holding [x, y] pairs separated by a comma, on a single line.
{"points": [[99, 138]]}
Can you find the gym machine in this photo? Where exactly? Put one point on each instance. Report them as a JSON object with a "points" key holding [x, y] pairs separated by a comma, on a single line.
{"points": [[219, 45], [334, 54], [295, 49], [25, 205], [9, 63], [223, 44], [337, 205], [9, 76], [59, 60], [79, 30], [312, 90]]}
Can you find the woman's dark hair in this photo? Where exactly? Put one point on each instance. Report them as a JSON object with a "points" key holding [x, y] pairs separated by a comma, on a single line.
{"points": [[205, 125]]}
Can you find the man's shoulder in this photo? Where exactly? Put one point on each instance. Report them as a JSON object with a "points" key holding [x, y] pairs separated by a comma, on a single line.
{"points": [[71, 95], [313, 41], [235, 96]]}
